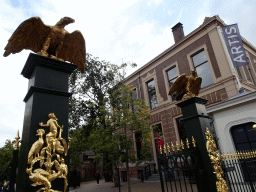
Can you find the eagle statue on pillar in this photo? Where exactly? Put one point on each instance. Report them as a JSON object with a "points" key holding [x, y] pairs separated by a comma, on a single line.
{"points": [[185, 85], [50, 41]]}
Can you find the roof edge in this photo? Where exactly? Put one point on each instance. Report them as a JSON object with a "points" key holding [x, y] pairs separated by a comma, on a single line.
{"points": [[209, 21]]}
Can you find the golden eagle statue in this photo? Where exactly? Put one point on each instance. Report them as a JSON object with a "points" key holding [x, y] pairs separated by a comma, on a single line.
{"points": [[186, 85], [50, 41]]}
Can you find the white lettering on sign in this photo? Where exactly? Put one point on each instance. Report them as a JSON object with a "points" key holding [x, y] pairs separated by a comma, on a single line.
{"points": [[239, 58], [230, 43], [235, 50], [235, 47], [230, 30]]}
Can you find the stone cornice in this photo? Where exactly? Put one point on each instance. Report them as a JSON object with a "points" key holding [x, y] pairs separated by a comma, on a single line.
{"points": [[231, 102]]}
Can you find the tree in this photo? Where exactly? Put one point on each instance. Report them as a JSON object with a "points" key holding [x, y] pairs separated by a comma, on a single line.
{"points": [[95, 120], [127, 114], [90, 92], [6, 153]]}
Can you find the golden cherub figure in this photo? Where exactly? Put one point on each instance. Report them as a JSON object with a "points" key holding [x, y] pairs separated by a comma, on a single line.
{"points": [[186, 85]]}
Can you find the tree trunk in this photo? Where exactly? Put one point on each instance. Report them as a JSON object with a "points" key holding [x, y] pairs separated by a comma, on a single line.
{"points": [[128, 172], [116, 178], [127, 163]]}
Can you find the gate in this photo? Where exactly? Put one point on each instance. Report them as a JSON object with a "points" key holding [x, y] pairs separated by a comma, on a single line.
{"points": [[178, 168], [240, 170]]}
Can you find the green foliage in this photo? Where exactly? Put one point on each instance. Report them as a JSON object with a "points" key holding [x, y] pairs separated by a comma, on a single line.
{"points": [[90, 96], [6, 153], [101, 113]]}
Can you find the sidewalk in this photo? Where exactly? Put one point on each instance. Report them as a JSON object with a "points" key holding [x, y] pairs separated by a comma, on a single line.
{"points": [[136, 186]]}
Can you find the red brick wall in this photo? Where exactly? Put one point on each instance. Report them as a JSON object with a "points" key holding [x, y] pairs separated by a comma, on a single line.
{"points": [[183, 64]]}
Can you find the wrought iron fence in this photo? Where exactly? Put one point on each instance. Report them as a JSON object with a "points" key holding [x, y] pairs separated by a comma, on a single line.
{"points": [[178, 167], [240, 170]]}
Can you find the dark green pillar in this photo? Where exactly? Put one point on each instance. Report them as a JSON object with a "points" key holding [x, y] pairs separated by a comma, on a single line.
{"points": [[195, 121], [47, 93]]}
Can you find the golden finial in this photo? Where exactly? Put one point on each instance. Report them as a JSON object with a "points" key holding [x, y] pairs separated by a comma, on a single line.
{"points": [[239, 155], [187, 143], [242, 154], [248, 154], [16, 141], [164, 149], [168, 148], [228, 156], [177, 146], [161, 151], [234, 155], [173, 149], [222, 156], [193, 141], [182, 144]]}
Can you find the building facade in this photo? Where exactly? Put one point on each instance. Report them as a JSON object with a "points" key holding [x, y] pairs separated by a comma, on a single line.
{"points": [[203, 50]]}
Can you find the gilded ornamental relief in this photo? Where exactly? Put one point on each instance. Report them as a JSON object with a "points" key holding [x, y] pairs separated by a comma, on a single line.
{"points": [[43, 151]]}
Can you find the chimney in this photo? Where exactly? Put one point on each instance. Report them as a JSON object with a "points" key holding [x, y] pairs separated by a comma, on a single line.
{"points": [[178, 32]]}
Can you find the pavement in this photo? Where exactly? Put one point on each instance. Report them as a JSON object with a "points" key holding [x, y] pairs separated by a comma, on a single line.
{"points": [[136, 186]]}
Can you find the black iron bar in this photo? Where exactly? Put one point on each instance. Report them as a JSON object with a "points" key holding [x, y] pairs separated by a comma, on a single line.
{"points": [[249, 176], [179, 180], [231, 176], [184, 179], [160, 171], [175, 179], [237, 177], [171, 169]]}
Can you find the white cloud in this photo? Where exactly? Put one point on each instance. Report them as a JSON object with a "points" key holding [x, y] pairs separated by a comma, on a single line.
{"points": [[111, 33]]}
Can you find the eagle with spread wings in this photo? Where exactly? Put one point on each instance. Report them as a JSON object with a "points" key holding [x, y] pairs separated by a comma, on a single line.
{"points": [[185, 85], [50, 41]]}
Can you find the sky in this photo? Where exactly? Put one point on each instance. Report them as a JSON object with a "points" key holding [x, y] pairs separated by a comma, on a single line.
{"points": [[115, 31]]}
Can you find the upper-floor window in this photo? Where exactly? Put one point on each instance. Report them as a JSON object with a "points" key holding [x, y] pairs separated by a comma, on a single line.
{"points": [[181, 129], [202, 68], [250, 72], [139, 139], [172, 75], [152, 94], [134, 96]]}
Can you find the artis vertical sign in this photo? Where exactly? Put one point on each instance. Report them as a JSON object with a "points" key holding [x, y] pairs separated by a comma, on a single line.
{"points": [[235, 45]]}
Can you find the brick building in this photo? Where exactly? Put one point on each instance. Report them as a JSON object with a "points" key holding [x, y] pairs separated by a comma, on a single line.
{"points": [[204, 50]]}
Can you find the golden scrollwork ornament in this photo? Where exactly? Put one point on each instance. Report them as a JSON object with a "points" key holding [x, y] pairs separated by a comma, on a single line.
{"points": [[216, 161], [47, 152]]}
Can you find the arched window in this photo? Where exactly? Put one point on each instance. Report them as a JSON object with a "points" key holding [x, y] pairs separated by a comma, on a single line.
{"points": [[244, 136]]}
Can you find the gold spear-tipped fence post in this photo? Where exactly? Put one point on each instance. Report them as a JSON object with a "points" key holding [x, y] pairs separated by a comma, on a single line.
{"points": [[177, 146], [161, 151], [193, 141], [165, 149], [181, 144], [173, 149], [187, 143], [16, 141], [168, 148]]}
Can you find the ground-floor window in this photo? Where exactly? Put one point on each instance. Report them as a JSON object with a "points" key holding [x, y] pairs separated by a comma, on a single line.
{"points": [[158, 135], [244, 136]]}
